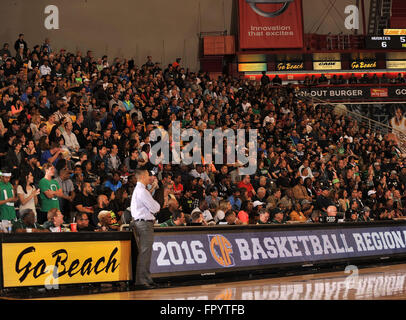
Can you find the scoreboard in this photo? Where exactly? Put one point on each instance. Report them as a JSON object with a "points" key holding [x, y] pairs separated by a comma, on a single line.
{"points": [[385, 42]]}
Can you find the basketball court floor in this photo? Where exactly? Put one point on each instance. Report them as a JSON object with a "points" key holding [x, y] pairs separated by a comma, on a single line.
{"points": [[376, 283]]}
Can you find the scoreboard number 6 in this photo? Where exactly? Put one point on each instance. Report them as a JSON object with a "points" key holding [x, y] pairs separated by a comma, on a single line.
{"points": [[384, 45]]}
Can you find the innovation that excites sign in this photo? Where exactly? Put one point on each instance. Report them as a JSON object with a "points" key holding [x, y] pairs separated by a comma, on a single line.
{"points": [[202, 252], [270, 24]]}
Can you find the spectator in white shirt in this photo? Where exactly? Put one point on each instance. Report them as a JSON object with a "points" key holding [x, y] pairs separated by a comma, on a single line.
{"points": [[143, 210], [45, 69], [71, 142]]}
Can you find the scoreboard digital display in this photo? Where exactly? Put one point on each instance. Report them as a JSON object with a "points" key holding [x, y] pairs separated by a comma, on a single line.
{"points": [[386, 42]]}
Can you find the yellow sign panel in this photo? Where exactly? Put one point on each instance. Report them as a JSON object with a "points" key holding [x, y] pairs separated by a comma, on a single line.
{"points": [[251, 58], [247, 67], [394, 32], [53, 263], [395, 64], [327, 65]]}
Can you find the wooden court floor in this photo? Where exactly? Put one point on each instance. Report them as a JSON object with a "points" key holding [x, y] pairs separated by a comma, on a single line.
{"points": [[378, 283]]}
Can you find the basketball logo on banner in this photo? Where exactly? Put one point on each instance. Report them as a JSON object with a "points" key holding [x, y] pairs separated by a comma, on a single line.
{"points": [[221, 250], [273, 14]]}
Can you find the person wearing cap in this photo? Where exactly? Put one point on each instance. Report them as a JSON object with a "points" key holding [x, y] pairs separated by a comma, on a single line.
{"points": [[143, 211], [323, 200], [371, 201], [7, 197], [277, 216], [351, 214], [365, 215]]}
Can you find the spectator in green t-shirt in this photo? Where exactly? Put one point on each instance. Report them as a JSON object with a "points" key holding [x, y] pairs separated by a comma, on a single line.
{"points": [[7, 197], [177, 219], [50, 191], [27, 221]]}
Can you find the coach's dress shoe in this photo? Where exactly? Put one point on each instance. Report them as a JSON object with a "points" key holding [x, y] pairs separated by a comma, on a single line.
{"points": [[146, 286]]}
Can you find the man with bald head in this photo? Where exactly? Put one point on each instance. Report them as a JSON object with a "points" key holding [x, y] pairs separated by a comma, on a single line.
{"points": [[261, 195], [331, 216], [331, 211], [102, 204]]}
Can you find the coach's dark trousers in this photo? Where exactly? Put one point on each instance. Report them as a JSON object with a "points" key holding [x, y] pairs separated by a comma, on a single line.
{"points": [[144, 232]]}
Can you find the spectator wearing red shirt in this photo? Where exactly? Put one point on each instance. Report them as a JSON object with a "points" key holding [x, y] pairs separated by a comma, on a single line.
{"points": [[177, 186], [245, 183]]}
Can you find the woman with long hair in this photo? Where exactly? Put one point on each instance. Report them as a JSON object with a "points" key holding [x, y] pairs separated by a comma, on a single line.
{"points": [[27, 193], [343, 200], [35, 122], [55, 133], [87, 170]]}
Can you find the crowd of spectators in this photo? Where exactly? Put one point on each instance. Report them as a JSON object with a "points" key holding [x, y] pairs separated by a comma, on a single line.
{"points": [[352, 79], [75, 128]]}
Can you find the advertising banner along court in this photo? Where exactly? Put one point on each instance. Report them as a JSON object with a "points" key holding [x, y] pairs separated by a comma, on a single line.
{"points": [[55, 263], [267, 24], [227, 250]]}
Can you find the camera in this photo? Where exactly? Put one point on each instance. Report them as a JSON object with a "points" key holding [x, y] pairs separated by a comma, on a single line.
{"points": [[286, 3]]}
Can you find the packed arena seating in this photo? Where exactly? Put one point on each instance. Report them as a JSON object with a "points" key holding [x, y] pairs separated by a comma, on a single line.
{"points": [[84, 122]]}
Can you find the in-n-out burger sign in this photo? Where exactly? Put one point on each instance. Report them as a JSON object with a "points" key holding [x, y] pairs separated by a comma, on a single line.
{"points": [[350, 93], [363, 65], [331, 93]]}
